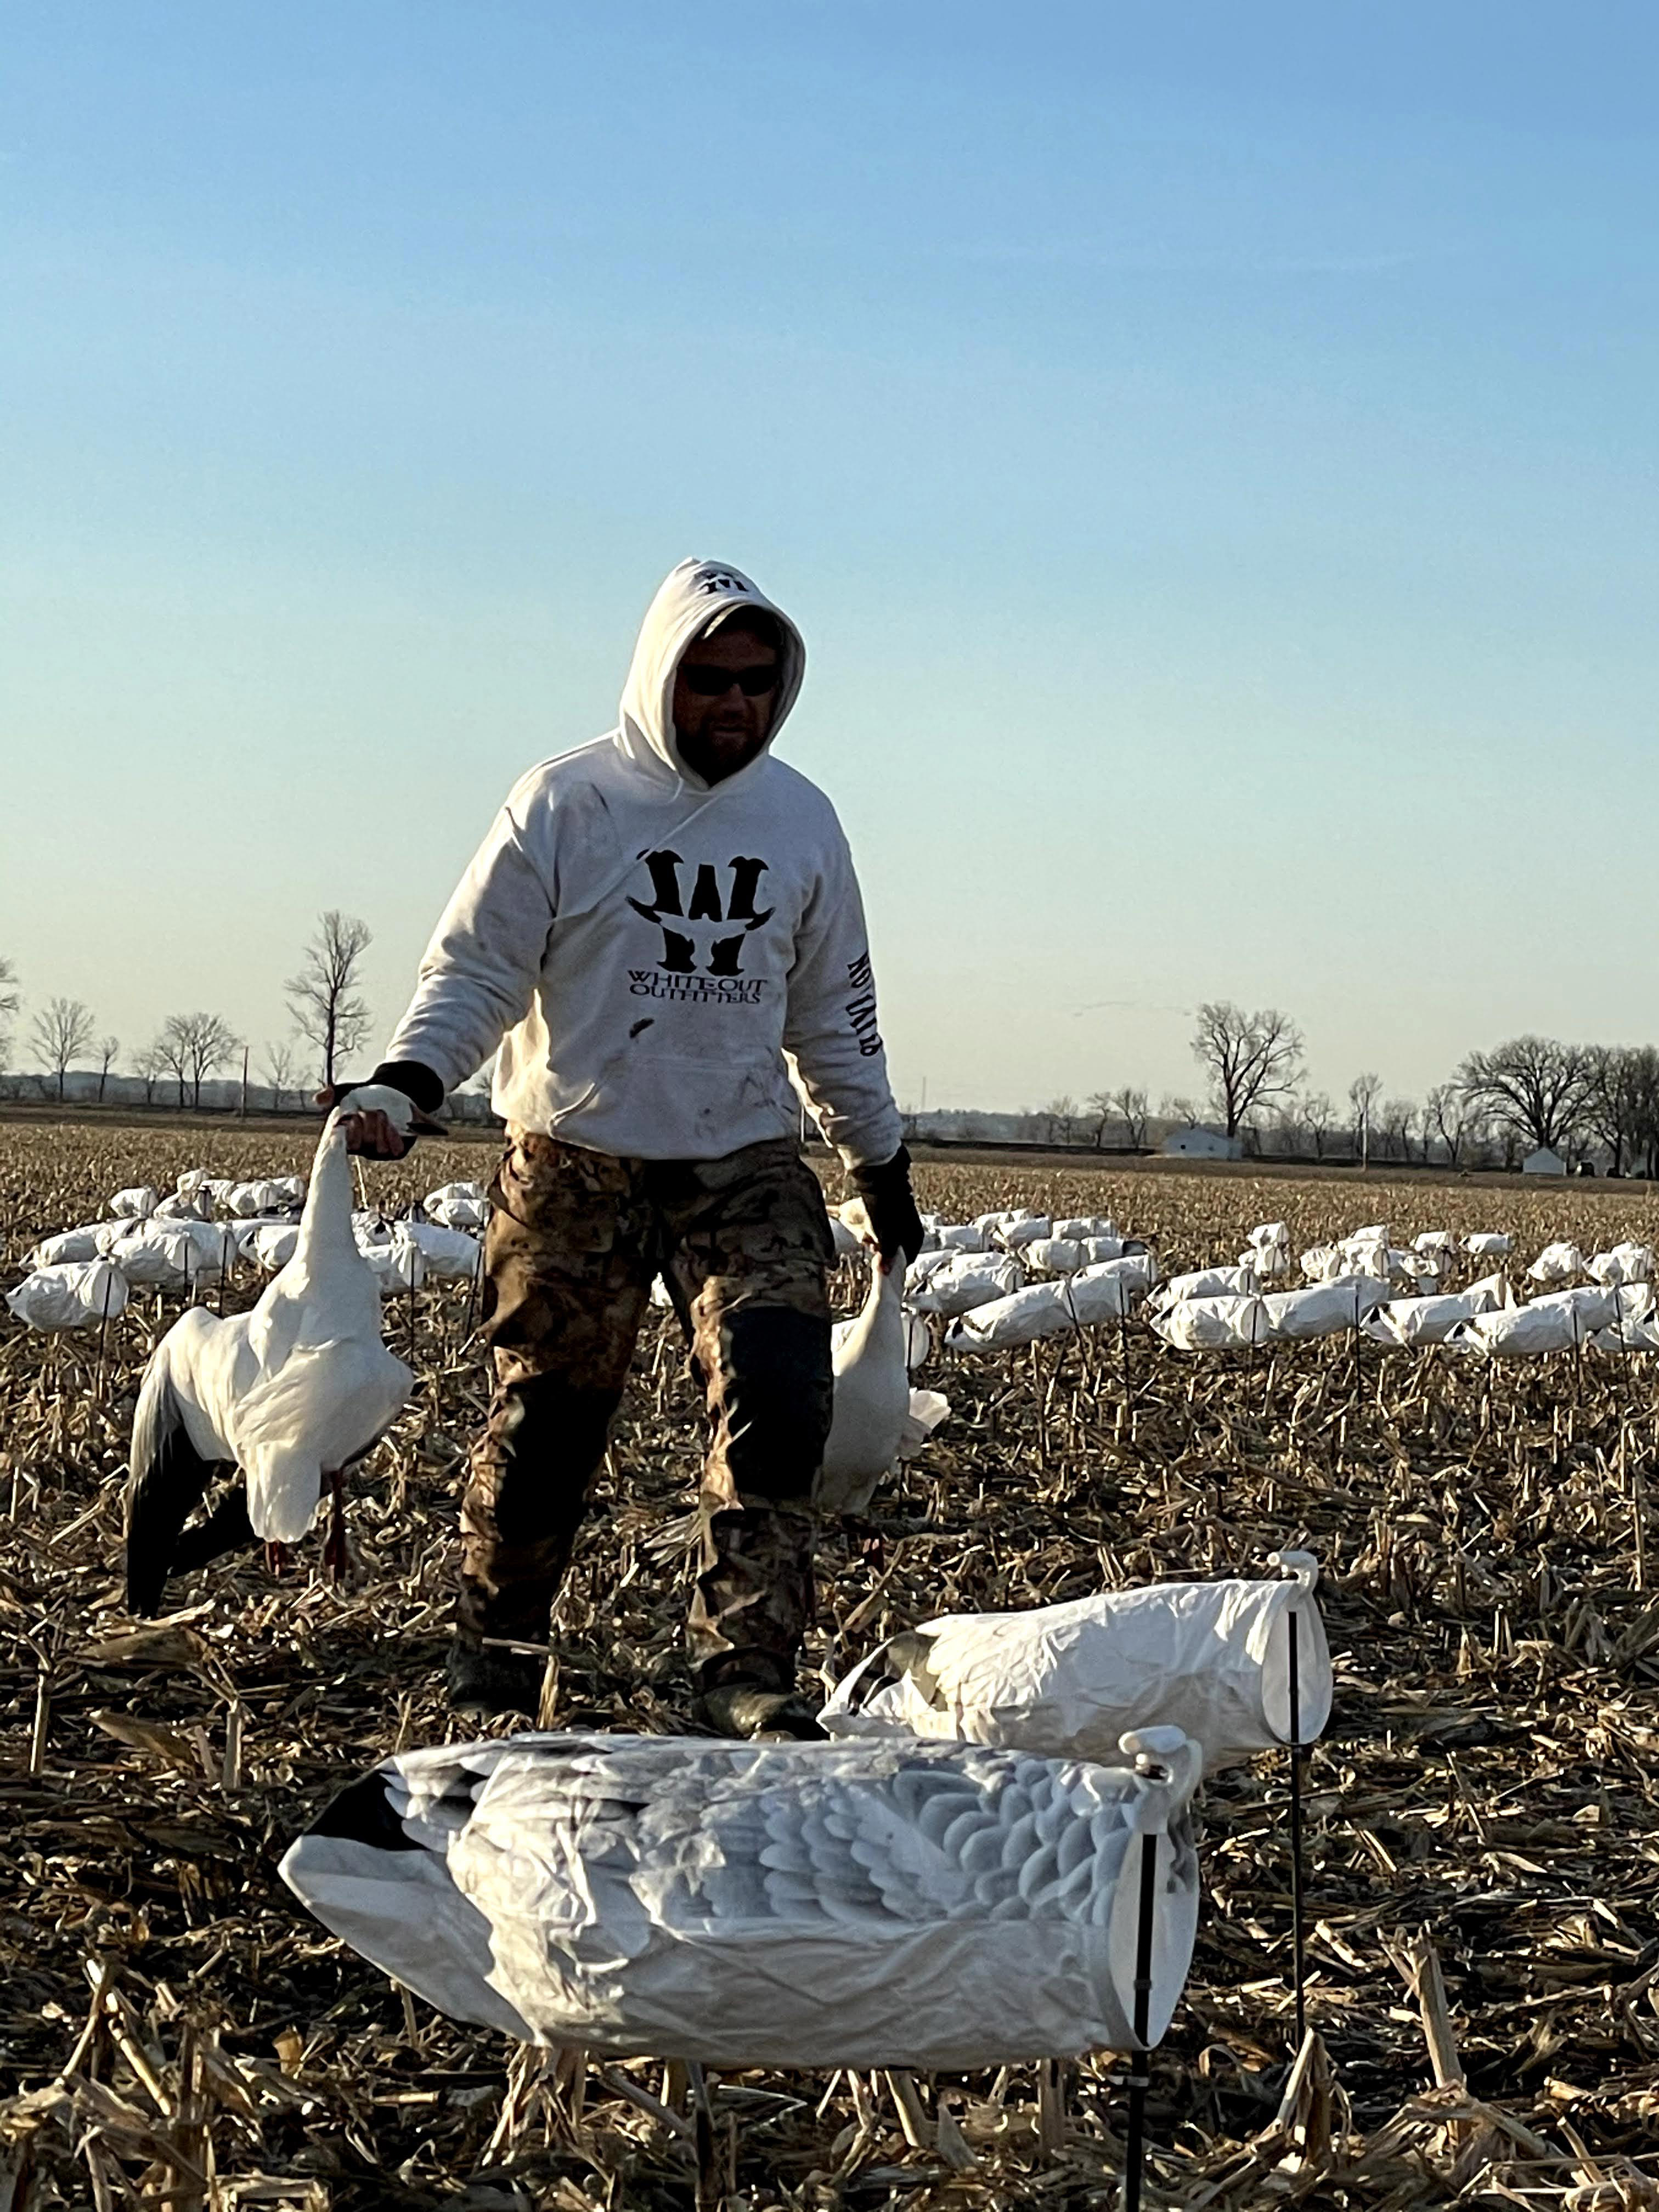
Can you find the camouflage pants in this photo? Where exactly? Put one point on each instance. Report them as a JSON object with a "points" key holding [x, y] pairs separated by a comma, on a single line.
{"points": [[575, 1238]]}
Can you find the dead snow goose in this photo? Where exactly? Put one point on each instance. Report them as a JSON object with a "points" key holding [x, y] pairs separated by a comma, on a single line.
{"points": [[864, 1903], [872, 1397], [290, 1393]]}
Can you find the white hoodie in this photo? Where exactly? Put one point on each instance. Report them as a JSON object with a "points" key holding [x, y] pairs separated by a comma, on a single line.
{"points": [[655, 957]]}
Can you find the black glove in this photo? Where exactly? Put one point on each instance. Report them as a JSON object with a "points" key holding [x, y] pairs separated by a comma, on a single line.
{"points": [[419, 1084], [891, 1204]]}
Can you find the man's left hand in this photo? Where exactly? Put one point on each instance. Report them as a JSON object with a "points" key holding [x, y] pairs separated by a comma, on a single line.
{"points": [[892, 1205]]}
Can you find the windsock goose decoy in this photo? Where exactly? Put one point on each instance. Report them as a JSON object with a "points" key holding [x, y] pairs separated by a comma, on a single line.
{"points": [[289, 1394], [866, 1904]]}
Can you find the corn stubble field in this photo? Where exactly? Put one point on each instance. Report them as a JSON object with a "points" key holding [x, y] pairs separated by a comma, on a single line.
{"points": [[176, 2031]]}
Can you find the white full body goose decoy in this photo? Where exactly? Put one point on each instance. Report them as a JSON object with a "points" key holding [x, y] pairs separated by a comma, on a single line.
{"points": [[1212, 1659], [872, 1904], [290, 1393]]}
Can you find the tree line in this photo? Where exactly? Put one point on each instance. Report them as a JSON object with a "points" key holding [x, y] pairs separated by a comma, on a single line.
{"points": [[330, 1016], [1528, 1094]]}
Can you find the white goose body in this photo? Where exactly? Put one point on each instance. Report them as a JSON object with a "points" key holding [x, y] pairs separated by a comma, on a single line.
{"points": [[781, 1905], [1068, 1681], [872, 1397], [290, 1393]]}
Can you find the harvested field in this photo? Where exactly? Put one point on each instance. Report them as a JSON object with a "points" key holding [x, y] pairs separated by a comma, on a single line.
{"points": [[1481, 1813]]}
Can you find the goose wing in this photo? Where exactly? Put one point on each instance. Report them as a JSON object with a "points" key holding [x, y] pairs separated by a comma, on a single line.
{"points": [[323, 1407], [172, 1458]]}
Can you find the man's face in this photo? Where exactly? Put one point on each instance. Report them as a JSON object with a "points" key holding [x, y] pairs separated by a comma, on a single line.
{"points": [[726, 692]]}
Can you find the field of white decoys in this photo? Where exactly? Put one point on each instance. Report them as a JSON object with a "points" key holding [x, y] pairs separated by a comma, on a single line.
{"points": [[1358, 1464]]}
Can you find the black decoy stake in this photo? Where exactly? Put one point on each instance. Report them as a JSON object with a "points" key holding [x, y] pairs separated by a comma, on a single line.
{"points": [[1134, 2149], [1297, 1754]]}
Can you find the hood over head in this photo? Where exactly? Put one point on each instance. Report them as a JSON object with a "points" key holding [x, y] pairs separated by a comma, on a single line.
{"points": [[694, 597]]}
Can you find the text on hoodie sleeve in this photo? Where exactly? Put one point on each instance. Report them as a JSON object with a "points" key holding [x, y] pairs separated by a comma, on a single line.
{"points": [[830, 1035]]}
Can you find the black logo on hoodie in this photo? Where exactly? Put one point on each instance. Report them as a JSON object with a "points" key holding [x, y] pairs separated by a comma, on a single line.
{"points": [[705, 903]]}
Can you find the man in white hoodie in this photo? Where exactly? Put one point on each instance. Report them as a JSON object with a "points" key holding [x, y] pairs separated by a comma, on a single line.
{"points": [[661, 929]]}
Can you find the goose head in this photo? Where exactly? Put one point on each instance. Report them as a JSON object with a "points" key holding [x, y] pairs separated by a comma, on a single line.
{"points": [[405, 1117]]}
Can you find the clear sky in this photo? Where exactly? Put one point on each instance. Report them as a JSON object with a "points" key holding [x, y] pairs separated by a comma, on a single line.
{"points": [[1209, 449]]}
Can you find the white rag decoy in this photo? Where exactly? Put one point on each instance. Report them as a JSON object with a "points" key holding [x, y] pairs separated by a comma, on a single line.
{"points": [[1411, 1321], [1222, 1323], [135, 1204], [70, 1244], [1239, 1282], [882, 1903], [290, 1393], [1067, 1682], [950, 1283], [457, 1206], [1628, 1262], [168, 1253], [1323, 1308], [1560, 1320], [70, 1294]]}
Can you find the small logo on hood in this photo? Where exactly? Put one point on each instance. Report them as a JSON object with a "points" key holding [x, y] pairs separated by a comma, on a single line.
{"points": [[722, 580], [707, 903]]}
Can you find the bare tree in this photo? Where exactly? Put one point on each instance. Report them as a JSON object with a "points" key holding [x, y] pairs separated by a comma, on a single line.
{"points": [[1642, 1077], [1315, 1115], [1617, 1098], [192, 1047], [171, 1056], [1130, 1104], [1176, 1109], [1100, 1113], [10, 1000], [64, 1028], [106, 1048], [1250, 1058], [282, 1067], [1397, 1118], [329, 1007], [1363, 1094], [1533, 1087], [1454, 1117], [1059, 1118], [152, 1066]]}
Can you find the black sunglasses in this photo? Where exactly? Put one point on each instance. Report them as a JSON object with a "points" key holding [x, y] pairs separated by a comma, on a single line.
{"points": [[709, 682]]}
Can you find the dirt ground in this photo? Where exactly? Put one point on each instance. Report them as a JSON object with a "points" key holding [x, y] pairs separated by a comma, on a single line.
{"points": [[1480, 1813]]}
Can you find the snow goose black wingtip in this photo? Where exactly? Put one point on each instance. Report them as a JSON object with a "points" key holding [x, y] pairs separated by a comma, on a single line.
{"points": [[168, 1478], [392, 1898]]}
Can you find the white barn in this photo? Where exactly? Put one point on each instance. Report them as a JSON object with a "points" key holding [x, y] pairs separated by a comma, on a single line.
{"points": [[1544, 1161], [1196, 1142]]}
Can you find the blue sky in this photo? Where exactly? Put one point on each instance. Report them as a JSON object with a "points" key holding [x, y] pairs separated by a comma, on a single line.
{"points": [[1210, 452]]}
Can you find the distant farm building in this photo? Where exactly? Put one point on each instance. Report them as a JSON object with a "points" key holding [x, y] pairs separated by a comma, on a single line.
{"points": [[1199, 1143], [1544, 1161]]}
